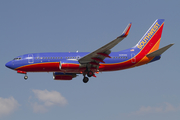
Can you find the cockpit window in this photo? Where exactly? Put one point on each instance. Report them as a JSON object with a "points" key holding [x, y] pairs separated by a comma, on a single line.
{"points": [[17, 58]]}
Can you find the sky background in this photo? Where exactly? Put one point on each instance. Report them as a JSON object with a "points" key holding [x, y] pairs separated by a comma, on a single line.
{"points": [[148, 92]]}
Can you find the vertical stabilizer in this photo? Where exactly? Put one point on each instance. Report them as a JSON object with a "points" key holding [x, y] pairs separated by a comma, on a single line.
{"points": [[151, 39]]}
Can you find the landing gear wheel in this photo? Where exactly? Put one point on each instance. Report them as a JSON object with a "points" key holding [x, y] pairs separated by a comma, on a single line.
{"points": [[25, 77], [85, 79], [90, 74]]}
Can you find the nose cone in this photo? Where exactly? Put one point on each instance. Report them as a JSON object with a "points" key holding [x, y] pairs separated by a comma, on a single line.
{"points": [[9, 65]]}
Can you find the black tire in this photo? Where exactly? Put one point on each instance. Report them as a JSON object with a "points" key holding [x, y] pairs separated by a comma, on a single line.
{"points": [[90, 74], [85, 79], [25, 77]]}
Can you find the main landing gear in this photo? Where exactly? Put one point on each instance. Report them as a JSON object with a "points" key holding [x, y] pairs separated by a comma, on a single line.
{"points": [[89, 74], [85, 79]]}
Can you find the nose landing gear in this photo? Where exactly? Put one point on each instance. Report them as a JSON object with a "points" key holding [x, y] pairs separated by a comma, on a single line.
{"points": [[23, 72], [25, 77]]}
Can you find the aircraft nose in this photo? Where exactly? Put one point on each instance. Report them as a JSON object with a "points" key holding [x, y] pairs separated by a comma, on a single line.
{"points": [[9, 65]]}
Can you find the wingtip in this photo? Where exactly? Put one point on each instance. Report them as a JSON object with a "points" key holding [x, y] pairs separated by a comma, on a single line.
{"points": [[126, 31]]}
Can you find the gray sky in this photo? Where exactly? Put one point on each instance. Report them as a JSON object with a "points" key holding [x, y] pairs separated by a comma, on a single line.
{"points": [[148, 92]]}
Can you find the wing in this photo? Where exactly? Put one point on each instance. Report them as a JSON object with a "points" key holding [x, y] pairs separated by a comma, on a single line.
{"points": [[100, 54]]}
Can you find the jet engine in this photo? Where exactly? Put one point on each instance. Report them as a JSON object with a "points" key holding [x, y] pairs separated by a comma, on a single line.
{"points": [[63, 76], [68, 64]]}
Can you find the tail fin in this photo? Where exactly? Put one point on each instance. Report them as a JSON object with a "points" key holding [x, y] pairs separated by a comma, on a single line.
{"points": [[151, 39]]}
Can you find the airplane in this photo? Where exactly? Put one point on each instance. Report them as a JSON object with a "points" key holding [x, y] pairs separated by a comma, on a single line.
{"points": [[66, 65]]}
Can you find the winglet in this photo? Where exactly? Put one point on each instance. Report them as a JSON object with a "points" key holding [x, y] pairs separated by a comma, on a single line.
{"points": [[126, 31]]}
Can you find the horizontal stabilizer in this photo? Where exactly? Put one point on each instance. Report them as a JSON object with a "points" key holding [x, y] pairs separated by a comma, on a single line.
{"points": [[159, 52]]}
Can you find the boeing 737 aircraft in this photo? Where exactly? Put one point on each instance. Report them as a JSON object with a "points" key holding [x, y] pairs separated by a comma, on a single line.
{"points": [[67, 65]]}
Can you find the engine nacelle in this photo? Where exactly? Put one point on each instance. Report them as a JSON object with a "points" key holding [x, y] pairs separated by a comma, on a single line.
{"points": [[68, 64], [63, 76]]}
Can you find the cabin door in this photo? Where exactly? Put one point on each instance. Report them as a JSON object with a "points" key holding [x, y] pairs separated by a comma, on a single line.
{"points": [[30, 58], [133, 58]]}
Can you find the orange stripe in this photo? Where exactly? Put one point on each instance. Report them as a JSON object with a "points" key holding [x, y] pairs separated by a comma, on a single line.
{"points": [[155, 47]]}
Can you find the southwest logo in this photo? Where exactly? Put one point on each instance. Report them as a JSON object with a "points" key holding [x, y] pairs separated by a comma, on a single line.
{"points": [[148, 35]]}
